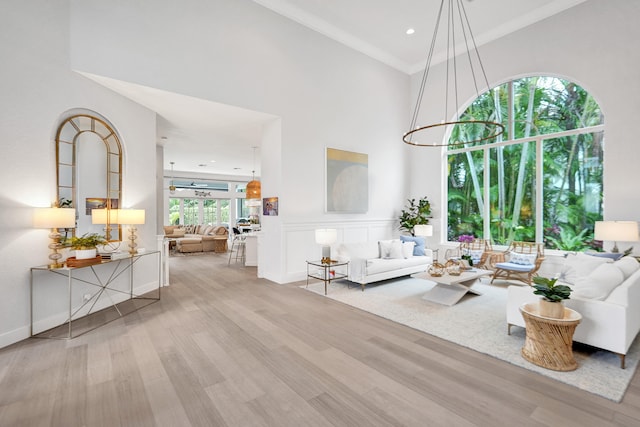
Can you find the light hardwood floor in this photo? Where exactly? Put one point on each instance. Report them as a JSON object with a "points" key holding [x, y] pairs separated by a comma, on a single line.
{"points": [[223, 348]]}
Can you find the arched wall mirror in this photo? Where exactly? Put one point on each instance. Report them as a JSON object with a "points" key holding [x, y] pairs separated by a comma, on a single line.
{"points": [[89, 171]]}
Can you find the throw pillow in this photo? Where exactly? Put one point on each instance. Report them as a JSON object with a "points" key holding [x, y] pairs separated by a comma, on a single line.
{"points": [[390, 249], [407, 249], [577, 265], [476, 255], [599, 283], [418, 249], [628, 265], [610, 255], [522, 259]]}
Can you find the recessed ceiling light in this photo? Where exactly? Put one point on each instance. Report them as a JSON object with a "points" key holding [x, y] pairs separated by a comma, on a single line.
{"points": [[410, 31], [212, 161]]}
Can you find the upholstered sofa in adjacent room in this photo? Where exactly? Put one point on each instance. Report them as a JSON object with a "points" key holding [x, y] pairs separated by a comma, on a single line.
{"points": [[605, 292], [385, 259], [200, 238]]}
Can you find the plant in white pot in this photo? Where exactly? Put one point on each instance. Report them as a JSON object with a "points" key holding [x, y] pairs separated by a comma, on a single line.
{"points": [[552, 295], [85, 245]]}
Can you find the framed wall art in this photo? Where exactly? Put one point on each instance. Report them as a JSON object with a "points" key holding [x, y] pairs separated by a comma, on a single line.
{"points": [[347, 181], [99, 203], [270, 206]]}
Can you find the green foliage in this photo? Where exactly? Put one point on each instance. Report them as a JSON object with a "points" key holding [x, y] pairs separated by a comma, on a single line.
{"points": [[548, 289], [86, 241], [572, 167], [415, 214], [568, 240]]}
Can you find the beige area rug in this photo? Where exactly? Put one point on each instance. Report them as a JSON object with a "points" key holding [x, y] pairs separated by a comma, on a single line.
{"points": [[479, 323]]}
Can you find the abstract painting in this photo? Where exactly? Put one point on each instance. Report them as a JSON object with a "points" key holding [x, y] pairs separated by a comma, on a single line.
{"points": [[347, 185]]}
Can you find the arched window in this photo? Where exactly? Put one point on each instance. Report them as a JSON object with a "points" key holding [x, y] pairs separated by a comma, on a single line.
{"points": [[542, 179]]}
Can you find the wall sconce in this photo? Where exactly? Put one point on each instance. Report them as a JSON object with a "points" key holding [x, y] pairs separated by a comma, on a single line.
{"points": [[325, 237], [54, 218], [131, 217], [616, 231]]}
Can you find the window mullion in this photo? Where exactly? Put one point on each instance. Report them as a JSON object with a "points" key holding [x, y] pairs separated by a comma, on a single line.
{"points": [[539, 196]]}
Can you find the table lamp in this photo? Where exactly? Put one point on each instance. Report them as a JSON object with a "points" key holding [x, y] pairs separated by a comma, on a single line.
{"points": [[54, 218], [131, 217], [106, 217], [616, 231], [325, 237]]}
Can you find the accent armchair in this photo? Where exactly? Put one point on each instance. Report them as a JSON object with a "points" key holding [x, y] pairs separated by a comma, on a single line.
{"points": [[522, 262]]}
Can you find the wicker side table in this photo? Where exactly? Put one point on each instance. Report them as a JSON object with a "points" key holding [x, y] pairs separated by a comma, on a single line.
{"points": [[548, 341]]}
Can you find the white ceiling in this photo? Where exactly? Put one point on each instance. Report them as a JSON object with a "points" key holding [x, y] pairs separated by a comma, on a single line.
{"points": [[194, 131]]}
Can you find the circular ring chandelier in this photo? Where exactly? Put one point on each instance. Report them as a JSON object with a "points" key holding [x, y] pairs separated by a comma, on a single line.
{"points": [[479, 131]]}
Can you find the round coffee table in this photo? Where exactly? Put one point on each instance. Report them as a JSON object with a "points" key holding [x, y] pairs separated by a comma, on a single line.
{"points": [[549, 341]]}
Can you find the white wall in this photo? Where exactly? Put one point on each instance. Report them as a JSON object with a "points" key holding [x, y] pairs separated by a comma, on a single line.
{"points": [[37, 87], [592, 44], [238, 53]]}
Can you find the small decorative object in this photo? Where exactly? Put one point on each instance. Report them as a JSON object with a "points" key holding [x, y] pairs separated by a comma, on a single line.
{"points": [[468, 260], [552, 295], [466, 238], [436, 270], [85, 245], [415, 214], [453, 267]]}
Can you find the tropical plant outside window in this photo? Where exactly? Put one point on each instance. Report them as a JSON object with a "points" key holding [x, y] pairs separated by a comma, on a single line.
{"points": [[198, 211], [554, 136]]}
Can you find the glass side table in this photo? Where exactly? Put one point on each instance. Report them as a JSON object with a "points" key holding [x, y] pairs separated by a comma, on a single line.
{"points": [[327, 272]]}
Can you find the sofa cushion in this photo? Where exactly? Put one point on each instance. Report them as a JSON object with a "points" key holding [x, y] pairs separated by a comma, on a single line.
{"points": [[628, 265], [579, 265], [515, 267], [418, 249], [391, 249], [380, 265], [599, 283], [361, 250], [407, 249]]}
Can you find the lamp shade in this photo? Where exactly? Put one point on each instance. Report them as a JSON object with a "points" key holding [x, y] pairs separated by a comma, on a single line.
{"points": [[617, 231], [425, 230], [326, 236], [104, 216], [54, 218], [130, 216]]}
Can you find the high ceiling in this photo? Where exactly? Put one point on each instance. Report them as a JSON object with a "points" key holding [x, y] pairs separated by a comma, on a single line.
{"points": [[374, 27]]}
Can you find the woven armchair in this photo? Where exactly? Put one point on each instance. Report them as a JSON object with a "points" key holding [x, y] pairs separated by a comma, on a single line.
{"points": [[468, 248], [522, 262]]}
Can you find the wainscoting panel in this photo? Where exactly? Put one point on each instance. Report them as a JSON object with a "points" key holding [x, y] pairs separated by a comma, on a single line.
{"points": [[300, 246]]}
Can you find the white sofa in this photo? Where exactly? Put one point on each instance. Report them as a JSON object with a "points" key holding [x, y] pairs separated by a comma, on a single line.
{"points": [[607, 297], [367, 264]]}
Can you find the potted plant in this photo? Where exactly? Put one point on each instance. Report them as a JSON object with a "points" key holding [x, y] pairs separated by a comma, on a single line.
{"points": [[552, 295], [85, 245], [415, 214]]}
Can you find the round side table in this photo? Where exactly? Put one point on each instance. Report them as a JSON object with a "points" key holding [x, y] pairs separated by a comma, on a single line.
{"points": [[548, 341]]}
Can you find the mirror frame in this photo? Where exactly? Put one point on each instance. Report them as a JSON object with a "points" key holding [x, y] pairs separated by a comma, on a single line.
{"points": [[67, 138]]}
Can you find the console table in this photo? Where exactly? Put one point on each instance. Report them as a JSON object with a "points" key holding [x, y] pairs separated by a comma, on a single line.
{"points": [[103, 292]]}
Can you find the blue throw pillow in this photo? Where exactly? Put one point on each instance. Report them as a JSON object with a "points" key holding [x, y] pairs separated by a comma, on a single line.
{"points": [[611, 255], [418, 249]]}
